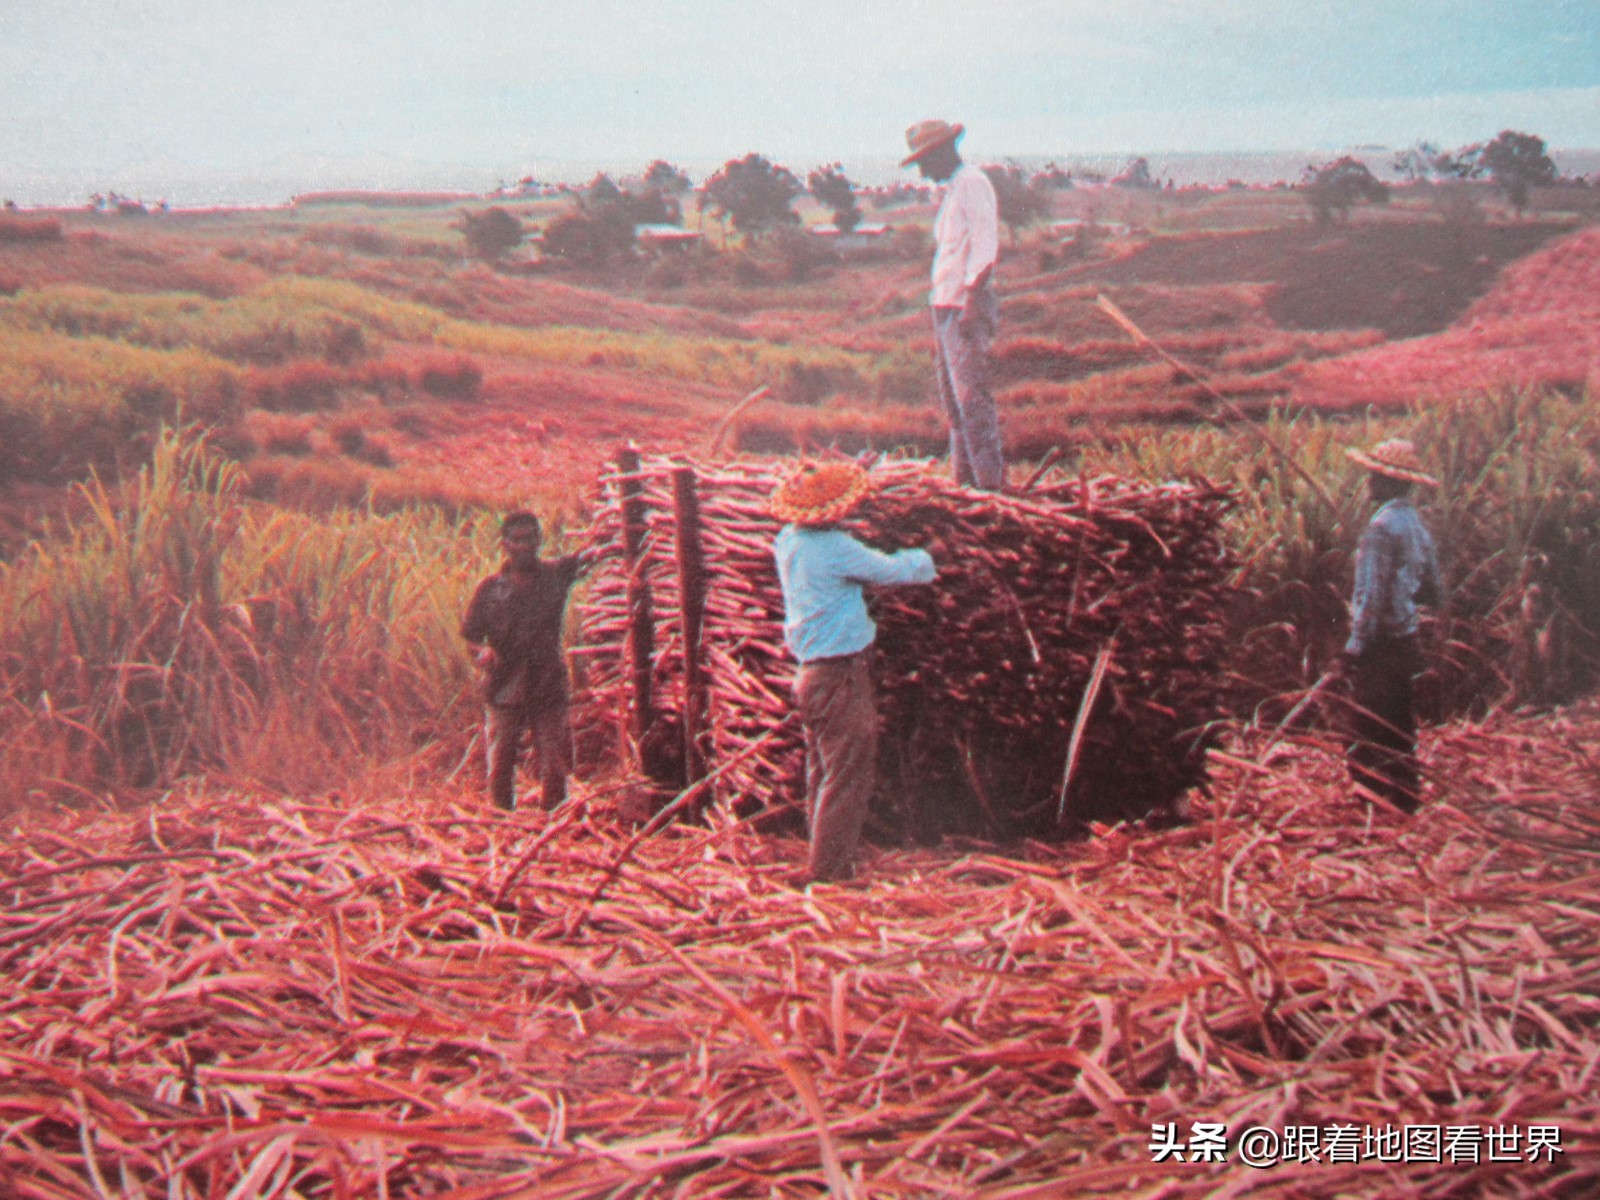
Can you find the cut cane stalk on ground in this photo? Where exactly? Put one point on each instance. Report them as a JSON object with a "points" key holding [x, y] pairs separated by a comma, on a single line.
{"points": [[1015, 1022]]}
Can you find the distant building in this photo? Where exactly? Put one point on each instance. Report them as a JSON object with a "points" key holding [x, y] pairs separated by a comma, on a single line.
{"points": [[664, 237], [864, 234], [1071, 229], [526, 188]]}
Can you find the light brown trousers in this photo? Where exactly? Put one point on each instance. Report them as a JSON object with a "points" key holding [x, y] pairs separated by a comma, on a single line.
{"points": [[836, 705]]}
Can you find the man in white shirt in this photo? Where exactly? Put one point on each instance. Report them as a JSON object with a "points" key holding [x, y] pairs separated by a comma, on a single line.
{"points": [[965, 312]]}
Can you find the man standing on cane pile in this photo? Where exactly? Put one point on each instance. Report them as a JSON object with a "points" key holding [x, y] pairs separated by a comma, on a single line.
{"points": [[515, 619], [1397, 568], [822, 570], [965, 312]]}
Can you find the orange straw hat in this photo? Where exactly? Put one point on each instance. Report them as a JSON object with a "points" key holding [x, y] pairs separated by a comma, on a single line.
{"points": [[1396, 458], [818, 493], [926, 135]]}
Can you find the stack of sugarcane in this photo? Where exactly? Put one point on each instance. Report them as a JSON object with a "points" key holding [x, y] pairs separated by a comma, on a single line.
{"points": [[1066, 667]]}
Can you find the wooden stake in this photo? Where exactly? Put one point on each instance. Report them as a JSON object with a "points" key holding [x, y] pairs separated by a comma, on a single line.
{"points": [[692, 608], [641, 618], [1075, 743]]}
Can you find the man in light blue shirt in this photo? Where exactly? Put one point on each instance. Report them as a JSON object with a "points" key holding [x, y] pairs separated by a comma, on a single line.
{"points": [[1397, 568], [822, 571]]}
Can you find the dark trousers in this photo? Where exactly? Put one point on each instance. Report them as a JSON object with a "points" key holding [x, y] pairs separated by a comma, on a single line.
{"points": [[961, 359], [1383, 742], [503, 730], [840, 716]]}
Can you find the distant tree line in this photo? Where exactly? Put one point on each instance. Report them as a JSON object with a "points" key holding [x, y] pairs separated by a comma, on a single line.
{"points": [[601, 223], [1515, 162], [756, 195]]}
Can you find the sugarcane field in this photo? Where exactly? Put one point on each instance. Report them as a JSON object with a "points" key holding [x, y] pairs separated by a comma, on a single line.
{"points": [[598, 691]]}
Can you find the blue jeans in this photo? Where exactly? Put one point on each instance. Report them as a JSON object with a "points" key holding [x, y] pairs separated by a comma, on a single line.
{"points": [[961, 341]]}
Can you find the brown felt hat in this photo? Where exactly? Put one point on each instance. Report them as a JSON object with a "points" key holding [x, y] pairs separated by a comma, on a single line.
{"points": [[1397, 458], [927, 135], [818, 493]]}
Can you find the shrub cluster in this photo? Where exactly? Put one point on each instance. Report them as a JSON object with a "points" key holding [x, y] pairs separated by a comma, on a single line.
{"points": [[451, 378], [304, 385], [600, 224], [30, 229], [490, 234]]}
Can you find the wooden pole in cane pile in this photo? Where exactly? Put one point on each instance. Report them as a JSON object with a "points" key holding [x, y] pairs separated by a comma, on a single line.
{"points": [[691, 614], [641, 619]]}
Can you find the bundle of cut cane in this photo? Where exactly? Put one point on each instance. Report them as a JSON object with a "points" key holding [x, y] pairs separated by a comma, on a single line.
{"points": [[1066, 666]]}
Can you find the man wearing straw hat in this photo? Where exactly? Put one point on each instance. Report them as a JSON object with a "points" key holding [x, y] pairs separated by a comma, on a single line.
{"points": [[966, 314], [822, 570], [1397, 568]]}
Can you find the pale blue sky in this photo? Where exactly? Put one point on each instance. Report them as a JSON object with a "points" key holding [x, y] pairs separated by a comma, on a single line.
{"points": [[250, 87]]}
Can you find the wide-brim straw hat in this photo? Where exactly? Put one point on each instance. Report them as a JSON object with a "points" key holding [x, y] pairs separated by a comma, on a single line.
{"points": [[818, 493], [1397, 458], [929, 135]]}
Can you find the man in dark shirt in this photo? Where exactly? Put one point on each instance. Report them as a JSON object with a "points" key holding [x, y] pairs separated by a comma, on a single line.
{"points": [[515, 618]]}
